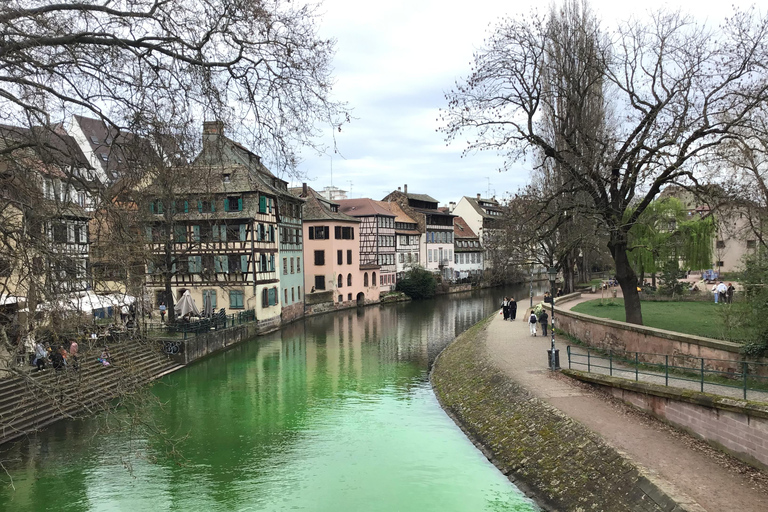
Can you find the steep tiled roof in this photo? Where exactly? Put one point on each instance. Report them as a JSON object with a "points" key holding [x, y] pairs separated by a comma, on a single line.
{"points": [[51, 146], [362, 207], [422, 197], [394, 208], [318, 207], [461, 229]]}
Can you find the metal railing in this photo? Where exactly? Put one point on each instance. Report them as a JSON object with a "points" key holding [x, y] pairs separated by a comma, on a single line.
{"points": [[704, 373], [218, 321]]}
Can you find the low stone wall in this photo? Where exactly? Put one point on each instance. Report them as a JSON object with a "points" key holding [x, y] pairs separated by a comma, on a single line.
{"points": [[621, 337], [555, 460], [192, 349], [734, 426]]}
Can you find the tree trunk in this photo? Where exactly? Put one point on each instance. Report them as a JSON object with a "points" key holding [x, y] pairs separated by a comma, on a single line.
{"points": [[167, 276], [627, 280]]}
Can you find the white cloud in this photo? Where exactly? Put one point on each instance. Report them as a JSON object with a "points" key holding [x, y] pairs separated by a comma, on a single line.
{"points": [[394, 60]]}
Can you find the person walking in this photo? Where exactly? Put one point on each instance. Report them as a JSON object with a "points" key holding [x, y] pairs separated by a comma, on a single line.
{"points": [[714, 292], [729, 293], [512, 309], [162, 309], [532, 321], [543, 319], [505, 308]]}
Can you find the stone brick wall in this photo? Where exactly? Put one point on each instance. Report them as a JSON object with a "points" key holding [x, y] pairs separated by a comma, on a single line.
{"points": [[550, 457], [621, 337], [735, 426]]}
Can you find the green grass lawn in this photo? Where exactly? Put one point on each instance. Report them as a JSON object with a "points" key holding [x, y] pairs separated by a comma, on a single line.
{"points": [[696, 318]]}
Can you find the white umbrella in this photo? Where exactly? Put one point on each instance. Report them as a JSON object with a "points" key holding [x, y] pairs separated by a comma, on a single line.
{"points": [[186, 305]]}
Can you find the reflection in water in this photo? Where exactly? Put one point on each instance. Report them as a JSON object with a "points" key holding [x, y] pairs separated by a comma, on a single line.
{"points": [[333, 413]]}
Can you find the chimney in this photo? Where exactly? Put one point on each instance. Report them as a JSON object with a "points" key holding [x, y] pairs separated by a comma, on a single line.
{"points": [[399, 189], [304, 190], [213, 128], [478, 197], [451, 206], [405, 188]]}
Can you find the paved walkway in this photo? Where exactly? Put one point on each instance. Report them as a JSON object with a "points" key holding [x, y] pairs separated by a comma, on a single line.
{"points": [[693, 472]]}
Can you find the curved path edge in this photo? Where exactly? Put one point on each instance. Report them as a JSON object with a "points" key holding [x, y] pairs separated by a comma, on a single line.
{"points": [[553, 459]]}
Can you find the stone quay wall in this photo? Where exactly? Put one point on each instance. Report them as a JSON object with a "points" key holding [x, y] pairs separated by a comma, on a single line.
{"points": [[558, 462], [737, 427], [621, 337]]}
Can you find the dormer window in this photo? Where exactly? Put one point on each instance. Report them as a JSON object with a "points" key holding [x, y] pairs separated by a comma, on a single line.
{"points": [[104, 156], [94, 139], [226, 178]]}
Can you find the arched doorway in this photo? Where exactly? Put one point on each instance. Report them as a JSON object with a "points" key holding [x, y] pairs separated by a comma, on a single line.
{"points": [[361, 299]]}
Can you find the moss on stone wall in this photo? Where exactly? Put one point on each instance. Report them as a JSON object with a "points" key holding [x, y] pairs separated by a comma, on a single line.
{"points": [[558, 462]]}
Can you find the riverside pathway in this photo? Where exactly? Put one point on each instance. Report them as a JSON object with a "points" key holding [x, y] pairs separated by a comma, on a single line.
{"points": [[687, 469]]}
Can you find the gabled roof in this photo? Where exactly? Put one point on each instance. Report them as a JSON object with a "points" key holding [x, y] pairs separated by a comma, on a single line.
{"points": [[362, 207], [318, 207], [51, 146], [421, 197], [461, 229], [490, 204], [118, 152]]}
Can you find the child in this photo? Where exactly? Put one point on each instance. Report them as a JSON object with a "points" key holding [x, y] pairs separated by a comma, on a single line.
{"points": [[532, 321]]}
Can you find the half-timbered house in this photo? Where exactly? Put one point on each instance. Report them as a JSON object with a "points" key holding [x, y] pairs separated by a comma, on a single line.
{"points": [[407, 238], [377, 237], [435, 227], [468, 252], [216, 234]]}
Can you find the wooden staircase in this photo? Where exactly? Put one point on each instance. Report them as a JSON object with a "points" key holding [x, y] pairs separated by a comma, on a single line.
{"points": [[32, 400]]}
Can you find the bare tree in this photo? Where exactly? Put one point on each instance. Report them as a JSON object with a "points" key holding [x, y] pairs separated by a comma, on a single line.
{"points": [[150, 71], [674, 91]]}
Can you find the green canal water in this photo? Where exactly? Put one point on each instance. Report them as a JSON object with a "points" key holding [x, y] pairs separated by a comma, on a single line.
{"points": [[334, 413]]}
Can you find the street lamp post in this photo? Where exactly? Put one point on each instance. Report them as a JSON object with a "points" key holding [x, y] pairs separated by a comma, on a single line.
{"points": [[554, 359], [531, 285]]}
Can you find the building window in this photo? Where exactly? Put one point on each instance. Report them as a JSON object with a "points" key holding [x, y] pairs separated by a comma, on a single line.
{"points": [[720, 244], [349, 279], [298, 264], [298, 292], [319, 233], [319, 258], [365, 279], [293, 295], [341, 298], [349, 296], [349, 256], [340, 257], [751, 244], [286, 296], [319, 282], [344, 233], [340, 281], [285, 266], [291, 264], [720, 264], [373, 278], [236, 299]]}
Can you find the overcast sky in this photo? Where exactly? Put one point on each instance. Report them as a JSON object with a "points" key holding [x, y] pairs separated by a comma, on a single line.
{"points": [[393, 64]]}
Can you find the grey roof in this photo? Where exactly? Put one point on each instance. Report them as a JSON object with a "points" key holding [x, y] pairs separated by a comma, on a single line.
{"points": [[318, 207], [422, 197]]}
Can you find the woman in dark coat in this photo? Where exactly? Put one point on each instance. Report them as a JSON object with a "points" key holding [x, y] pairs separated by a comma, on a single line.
{"points": [[512, 309]]}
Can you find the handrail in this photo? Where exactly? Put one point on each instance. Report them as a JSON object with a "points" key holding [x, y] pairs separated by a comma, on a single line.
{"points": [[748, 376]]}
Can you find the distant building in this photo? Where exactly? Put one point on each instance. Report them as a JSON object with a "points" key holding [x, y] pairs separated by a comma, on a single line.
{"points": [[435, 227], [332, 193], [377, 237], [483, 217], [407, 238], [334, 276], [468, 252]]}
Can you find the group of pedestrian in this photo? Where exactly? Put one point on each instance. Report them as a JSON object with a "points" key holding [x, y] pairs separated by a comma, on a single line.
{"points": [[538, 317], [723, 294], [59, 357], [509, 308]]}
